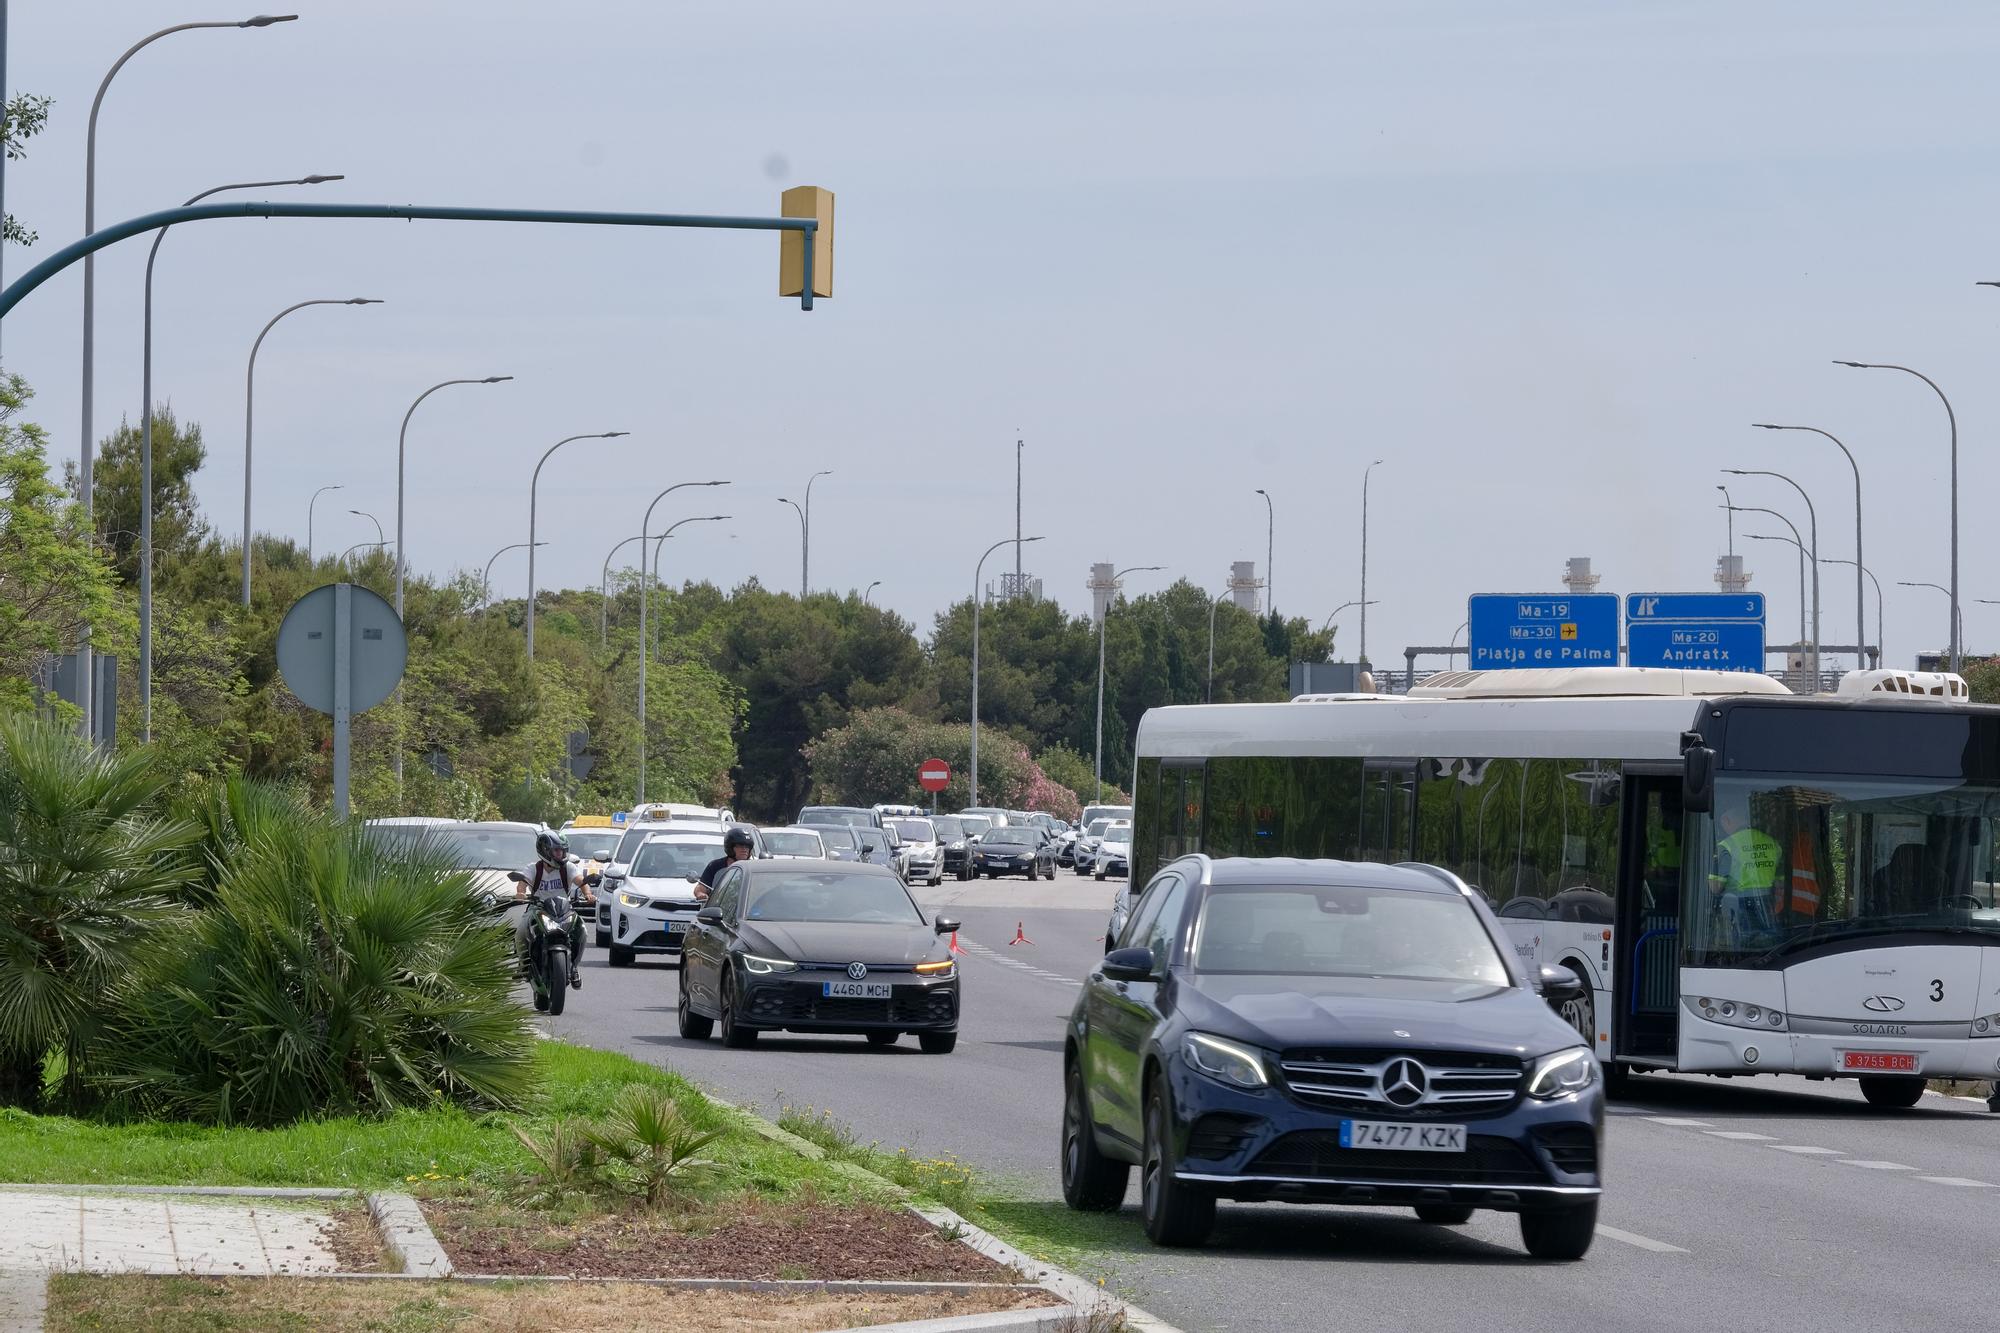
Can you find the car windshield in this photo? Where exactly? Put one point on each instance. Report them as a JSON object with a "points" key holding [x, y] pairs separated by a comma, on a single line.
{"points": [[633, 840], [1344, 930], [873, 838], [914, 830], [842, 838], [836, 814], [1118, 833], [674, 860], [1011, 837], [1097, 827], [861, 899], [950, 828], [474, 848], [792, 842], [975, 825]]}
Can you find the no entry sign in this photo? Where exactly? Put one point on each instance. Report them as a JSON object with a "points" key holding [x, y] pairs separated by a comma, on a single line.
{"points": [[934, 775]]}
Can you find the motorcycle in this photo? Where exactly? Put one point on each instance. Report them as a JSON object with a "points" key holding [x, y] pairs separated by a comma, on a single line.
{"points": [[551, 928]]}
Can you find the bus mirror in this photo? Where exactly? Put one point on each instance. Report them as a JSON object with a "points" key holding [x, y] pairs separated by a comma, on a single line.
{"points": [[1698, 780]]}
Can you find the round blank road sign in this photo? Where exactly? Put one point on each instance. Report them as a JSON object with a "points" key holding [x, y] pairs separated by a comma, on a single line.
{"points": [[934, 775], [376, 649]]}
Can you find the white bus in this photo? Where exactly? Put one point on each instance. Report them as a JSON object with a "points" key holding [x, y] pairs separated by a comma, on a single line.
{"points": [[1748, 881]]}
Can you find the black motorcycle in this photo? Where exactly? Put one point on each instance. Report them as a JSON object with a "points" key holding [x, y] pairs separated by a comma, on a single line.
{"points": [[551, 931]]}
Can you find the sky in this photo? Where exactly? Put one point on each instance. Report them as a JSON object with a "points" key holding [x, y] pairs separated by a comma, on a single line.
{"points": [[1547, 261]]}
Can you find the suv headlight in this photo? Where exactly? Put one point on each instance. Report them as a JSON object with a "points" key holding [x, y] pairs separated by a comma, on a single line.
{"points": [[1563, 1073], [632, 900], [764, 966], [1736, 1013], [1225, 1061]]}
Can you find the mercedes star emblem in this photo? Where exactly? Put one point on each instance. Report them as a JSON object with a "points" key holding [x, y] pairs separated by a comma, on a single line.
{"points": [[1404, 1083]]}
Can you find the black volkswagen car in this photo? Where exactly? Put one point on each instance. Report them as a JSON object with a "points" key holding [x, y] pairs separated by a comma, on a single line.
{"points": [[1328, 1032], [808, 946], [1015, 849]]}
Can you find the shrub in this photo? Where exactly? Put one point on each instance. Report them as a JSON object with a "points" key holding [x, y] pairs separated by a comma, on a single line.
{"points": [[653, 1142]]}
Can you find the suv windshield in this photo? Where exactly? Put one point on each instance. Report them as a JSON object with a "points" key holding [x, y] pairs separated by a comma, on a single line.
{"points": [[1340, 930], [473, 848], [791, 842], [950, 828], [838, 837], [862, 898], [974, 825], [1120, 833], [913, 830], [674, 860]]}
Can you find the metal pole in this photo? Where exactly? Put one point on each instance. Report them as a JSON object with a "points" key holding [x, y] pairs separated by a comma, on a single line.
{"points": [[1270, 551], [645, 533], [659, 547], [1755, 537], [533, 483], [868, 591], [972, 779], [1363, 656], [1018, 580], [87, 442], [1812, 521], [604, 592], [1211, 647], [1957, 628], [249, 403], [486, 577], [1876, 653], [1860, 605], [1097, 750], [309, 516], [802, 544], [1729, 517], [1957, 640], [380, 540], [343, 628], [805, 535], [402, 449]]}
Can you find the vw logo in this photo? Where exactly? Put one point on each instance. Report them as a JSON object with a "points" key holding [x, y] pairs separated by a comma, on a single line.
{"points": [[857, 970], [1882, 1004], [1404, 1083]]}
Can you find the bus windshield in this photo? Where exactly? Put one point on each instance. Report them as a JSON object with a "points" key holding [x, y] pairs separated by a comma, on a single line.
{"points": [[1788, 861]]}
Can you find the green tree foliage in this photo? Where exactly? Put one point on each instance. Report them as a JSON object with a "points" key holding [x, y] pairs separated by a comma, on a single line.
{"points": [[1073, 771], [875, 756], [117, 478], [1982, 677], [22, 117]]}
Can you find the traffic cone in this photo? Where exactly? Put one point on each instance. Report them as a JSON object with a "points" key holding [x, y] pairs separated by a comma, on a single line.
{"points": [[953, 947], [1019, 937]]}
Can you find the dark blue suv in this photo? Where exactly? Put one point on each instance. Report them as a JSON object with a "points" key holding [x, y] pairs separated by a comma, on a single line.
{"points": [[1328, 1032]]}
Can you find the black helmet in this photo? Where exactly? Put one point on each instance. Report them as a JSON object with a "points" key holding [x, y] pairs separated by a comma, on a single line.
{"points": [[551, 848], [738, 837]]}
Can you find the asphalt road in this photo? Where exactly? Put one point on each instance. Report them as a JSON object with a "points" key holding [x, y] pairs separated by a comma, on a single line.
{"points": [[1766, 1203]]}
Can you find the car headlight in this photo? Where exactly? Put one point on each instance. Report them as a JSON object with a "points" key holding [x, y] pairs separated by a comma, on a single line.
{"points": [[631, 900], [1563, 1073], [1225, 1061], [948, 968], [763, 966]]}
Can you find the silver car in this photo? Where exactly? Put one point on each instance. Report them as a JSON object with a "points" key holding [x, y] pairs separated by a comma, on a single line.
{"points": [[922, 853]]}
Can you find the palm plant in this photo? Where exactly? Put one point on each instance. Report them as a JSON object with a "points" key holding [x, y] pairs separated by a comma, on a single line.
{"points": [[88, 867], [653, 1140]]}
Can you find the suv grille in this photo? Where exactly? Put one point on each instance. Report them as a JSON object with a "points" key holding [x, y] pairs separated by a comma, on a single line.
{"points": [[1487, 1160], [1431, 1082]]}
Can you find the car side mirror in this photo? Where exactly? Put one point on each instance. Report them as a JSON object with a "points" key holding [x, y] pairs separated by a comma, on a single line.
{"points": [[1559, 985], [1133, 964], [945, 925], [709, 916]]}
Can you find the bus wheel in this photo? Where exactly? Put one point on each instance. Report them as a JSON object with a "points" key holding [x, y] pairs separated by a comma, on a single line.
{"points": [[1897, 1092]]}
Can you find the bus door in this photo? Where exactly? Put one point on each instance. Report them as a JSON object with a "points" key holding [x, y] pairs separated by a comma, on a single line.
{"points": [[1646, 929]]}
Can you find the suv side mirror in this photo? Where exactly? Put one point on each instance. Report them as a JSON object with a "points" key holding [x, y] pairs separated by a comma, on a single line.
{"points": [[1133, 964], [1559, 985]]}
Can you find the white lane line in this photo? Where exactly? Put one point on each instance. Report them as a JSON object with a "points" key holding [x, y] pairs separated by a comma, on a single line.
{"points": [[1739, 1134], [1875, 1166], [1959, 1181], [1679, 1123], [1642, 1242], [1805, 1151]]}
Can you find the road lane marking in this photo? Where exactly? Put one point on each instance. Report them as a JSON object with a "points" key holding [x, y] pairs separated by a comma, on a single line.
{"points": [[1806, 1151], [1959, 1181], [1738, 1134], [1875, 1166], [1642, 1242], [1678, 1123]]}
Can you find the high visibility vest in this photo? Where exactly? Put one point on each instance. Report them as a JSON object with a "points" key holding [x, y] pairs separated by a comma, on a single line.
{"points": [[1753, 860], [1805, 877]]}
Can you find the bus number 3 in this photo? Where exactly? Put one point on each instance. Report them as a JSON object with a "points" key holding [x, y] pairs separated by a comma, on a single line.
{"points": [[1937, 990]]}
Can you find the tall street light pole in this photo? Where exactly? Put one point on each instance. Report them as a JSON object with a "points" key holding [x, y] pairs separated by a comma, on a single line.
{"points": [[1328, 624], [652, 640], [1957, 644], [1270, 549], [380, 540], [802, 543], [1957, 628], [1812, 525], [1860, 606], [309, 516], [972, 779], [486, 576], [87, 446], [1829, 560], [533, 483], [146, 453], [1794, 541], [1729, 518], [1212, 607], [1111, 596], [806, 523], [868, 591], [249, 405], [645, 595], [604, 589], [646, 534], [402, 449], [1364, 562]]}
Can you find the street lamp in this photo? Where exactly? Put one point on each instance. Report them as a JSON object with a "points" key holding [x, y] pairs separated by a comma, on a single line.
{"points": [[1270, 549], [1957, 646], [1328, 624], [659, 549], [604, 589], [644, 595], [1364, 563], [1802, 572], [1728, 517], [802, 543], [362, 513], [534, 482], [402, 441], [249, 403], [1957, 628], [1860, 607], [1829, 560], [309, 516], [972, 780], [805, 556], [146, 456], [87, 434], [360, 546], [1450, 648], [1210, 697], [486, 577], [1812, 524], [865, 592], [1097, 752], [645, 534]]}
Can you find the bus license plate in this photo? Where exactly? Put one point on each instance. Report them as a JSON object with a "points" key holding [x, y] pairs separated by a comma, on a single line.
{"points": [[1891, 1062], [1394, 1137], [855, 990]]}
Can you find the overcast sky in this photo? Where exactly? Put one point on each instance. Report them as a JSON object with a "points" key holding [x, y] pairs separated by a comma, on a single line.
{"points": [[1547, 260]]}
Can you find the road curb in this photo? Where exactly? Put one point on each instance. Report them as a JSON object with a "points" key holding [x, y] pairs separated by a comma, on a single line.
{"points": [[406, 1235], [1082, 1294]]}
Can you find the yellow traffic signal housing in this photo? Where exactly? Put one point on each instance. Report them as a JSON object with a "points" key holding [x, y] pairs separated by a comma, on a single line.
{"points": [[806, 201]]}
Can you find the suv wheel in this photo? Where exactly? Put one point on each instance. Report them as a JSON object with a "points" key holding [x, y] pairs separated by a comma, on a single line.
{"points": [[1174, 1214], [1091, 1182], [694, 1026], [1560, 1234]]}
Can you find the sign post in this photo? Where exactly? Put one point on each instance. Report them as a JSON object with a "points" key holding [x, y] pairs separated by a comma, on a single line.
{"points": [[1714, 631], [934, 775], [341, 650], [1508, 632]]}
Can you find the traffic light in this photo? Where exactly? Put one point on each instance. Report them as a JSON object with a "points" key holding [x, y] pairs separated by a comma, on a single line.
{"points": [[806, 201]]}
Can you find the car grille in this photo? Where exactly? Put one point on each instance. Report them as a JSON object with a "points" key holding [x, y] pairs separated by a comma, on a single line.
{"points": [[1220, 1135], [674, 905], [654, 939], [1454, 1081], [1316, 1153], [805, 1004], [1573, 1148]]}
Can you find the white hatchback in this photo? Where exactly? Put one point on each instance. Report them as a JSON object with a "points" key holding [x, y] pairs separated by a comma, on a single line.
{"points": [[654, 904]]}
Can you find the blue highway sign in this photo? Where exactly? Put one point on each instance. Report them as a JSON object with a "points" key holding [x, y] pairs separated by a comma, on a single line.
{"points": [[1710, 646], [1706, 607], [1541, 630]]}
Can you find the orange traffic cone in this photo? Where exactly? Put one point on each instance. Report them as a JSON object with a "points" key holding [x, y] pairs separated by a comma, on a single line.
{"points": [[1019, 937], [953, 948]]}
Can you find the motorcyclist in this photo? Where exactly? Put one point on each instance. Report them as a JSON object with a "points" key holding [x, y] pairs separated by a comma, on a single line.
{"points": [[551, 874], [736, 846]]}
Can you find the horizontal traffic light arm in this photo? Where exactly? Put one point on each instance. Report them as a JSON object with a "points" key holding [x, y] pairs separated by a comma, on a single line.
{"points": [[173, 217]]}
